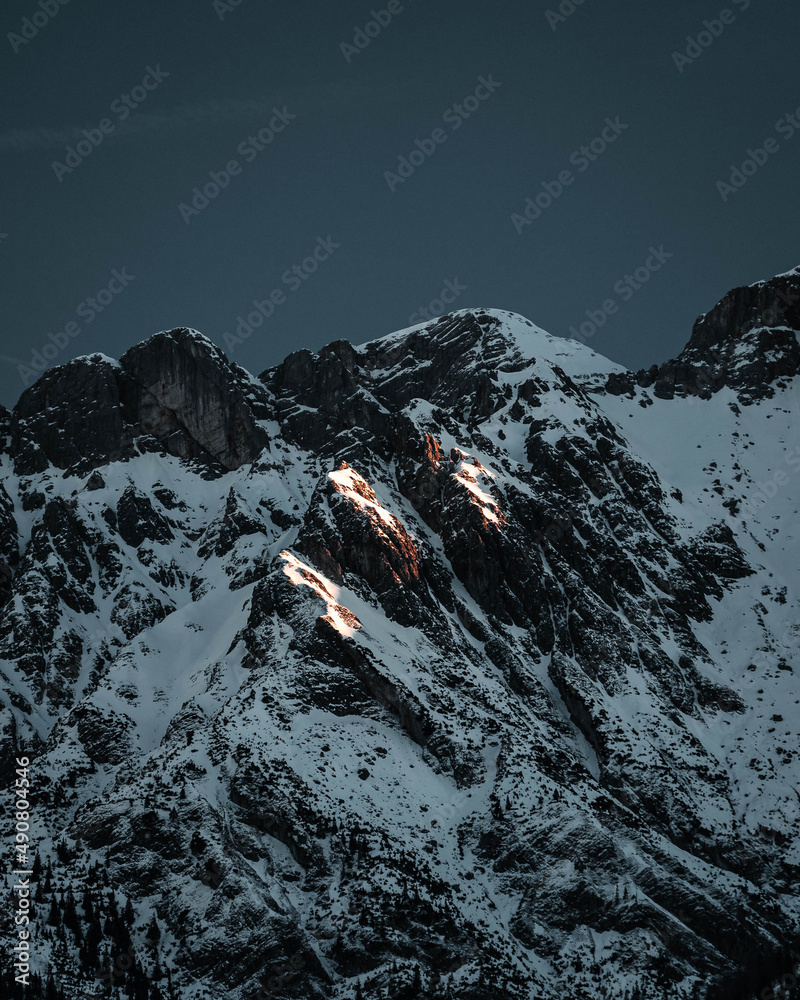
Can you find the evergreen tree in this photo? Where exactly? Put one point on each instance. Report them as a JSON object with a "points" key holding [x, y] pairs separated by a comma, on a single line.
{"points": [[63, 851], [129, 914], [70, 916], [95, 934], [153, 933], [120, 934]]}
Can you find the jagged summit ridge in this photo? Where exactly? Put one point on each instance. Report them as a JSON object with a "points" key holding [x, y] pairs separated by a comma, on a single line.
{"points": [[179, 390]]}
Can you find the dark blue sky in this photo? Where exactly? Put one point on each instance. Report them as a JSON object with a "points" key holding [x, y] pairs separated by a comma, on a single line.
{"points": [[323, 176]]}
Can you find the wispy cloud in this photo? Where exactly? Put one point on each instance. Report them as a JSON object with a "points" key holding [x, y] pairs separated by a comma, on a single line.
{"points": [[184, 116]]}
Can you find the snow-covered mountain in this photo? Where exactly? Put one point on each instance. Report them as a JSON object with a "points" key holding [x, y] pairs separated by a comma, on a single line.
{"points": [[462, 663]]}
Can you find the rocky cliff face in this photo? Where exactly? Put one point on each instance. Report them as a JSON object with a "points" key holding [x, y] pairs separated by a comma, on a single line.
{"points": [[748, 342], [458, 664], [174, 393]]}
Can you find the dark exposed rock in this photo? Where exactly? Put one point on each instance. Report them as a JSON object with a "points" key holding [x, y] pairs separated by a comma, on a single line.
{"points": [[346, 531], [236, 522], [9, 545], [176, 388], [74, 412], [138, 520], [747, 342], [193, 401], [104, 736], [95, 481], [135, 609]]}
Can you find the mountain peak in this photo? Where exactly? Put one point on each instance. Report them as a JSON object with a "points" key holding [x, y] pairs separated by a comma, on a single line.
{"points": [[500, 338], [748, 343], [176, 390], [763, 305], [190, 340]]}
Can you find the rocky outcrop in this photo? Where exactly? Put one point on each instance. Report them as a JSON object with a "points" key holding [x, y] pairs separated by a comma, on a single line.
{"points": [[748, 342], [9, 545], [175, 391], [75, 413], [138, 520], [193, 402]]}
